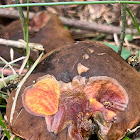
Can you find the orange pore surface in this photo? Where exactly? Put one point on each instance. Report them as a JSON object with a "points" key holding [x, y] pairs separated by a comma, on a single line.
{"points": [[92, 90], [109, 115], [49, 84], [42, 99], [116, 90], [95, 105]]}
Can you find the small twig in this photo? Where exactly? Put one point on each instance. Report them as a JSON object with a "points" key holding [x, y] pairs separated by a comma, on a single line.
{"points": [[4, 96], [74, 23], [4, 93], [14, 14], [133, 130], [4, 82], [127, 43], [24, 62], [4, 135], [20, 85], [15, 65], [12, 137], [9, 79], [21, 44], [17, 116], [2, 74], [15, 60], [116, 39], [123, 11], [11, 54], [94, 26], [7, 64], [136, 37], [7, 71]]}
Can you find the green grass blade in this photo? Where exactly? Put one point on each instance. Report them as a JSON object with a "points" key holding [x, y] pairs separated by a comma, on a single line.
{"points": [[126, 138], [22, 18], [134, 19], [2, 106], [16, 138], [123, 16], [27, 35], [4, 127], [136, 25], [69, 3]]}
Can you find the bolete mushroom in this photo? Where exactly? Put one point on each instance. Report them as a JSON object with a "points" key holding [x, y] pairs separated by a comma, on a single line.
{"points": [[44, 28], [81, 98]]}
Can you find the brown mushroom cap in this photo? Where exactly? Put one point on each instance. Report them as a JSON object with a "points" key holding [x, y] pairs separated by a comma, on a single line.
{"points": [[62, 64], [44, 28]]}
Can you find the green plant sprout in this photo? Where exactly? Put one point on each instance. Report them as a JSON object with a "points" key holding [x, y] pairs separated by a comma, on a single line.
{"points": [[136, 25]]}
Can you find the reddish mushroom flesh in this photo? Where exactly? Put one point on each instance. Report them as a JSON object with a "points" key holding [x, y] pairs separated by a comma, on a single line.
{"points": [[106, 95], [80, 102]]}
